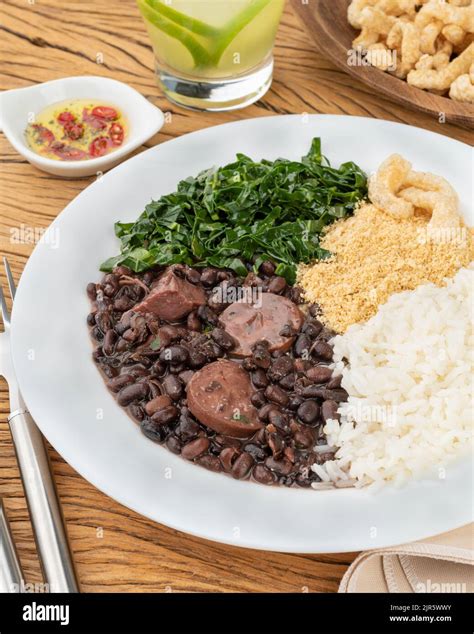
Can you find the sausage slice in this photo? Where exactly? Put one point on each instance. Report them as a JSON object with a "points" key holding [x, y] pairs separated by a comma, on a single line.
{"points": [[219, 397], [252, 322], [172, 297]]}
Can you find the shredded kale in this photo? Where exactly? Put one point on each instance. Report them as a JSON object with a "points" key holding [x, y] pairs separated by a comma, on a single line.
{"points": [[244, 212]]}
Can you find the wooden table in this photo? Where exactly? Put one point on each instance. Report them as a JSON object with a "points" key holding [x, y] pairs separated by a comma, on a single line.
{"points": [[116, 549]]}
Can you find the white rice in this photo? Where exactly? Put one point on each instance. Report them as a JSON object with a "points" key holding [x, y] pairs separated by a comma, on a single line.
{"points": [[409, 375]]}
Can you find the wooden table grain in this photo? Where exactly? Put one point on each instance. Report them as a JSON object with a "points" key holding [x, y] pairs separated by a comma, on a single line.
{"points": [[116, 549]]}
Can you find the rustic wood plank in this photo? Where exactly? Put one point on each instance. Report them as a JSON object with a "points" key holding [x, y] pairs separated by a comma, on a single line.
{"points": [[115, 548]]}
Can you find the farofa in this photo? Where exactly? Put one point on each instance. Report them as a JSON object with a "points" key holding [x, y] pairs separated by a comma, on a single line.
{"points": [[374, 256]]}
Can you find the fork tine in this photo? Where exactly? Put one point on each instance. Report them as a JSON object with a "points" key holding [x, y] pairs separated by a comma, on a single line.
{"points": [[11, 281], [4, 309]]}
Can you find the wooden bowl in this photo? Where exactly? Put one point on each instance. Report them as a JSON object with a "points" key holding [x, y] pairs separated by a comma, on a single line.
{"points": [[326, 22]]}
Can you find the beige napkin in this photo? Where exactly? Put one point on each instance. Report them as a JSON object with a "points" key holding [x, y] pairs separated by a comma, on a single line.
{"points": [[443, 563]]}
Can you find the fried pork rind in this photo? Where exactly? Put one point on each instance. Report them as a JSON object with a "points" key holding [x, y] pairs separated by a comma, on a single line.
{"points": [[433, 194], [443, 54], [454, 34], [375, 58], [355, 9], [462, 88], [429, 35], [398, 7], [462, 16], [443, 214], [437, 61], [443, 78], [385, 184], [365, 39], [430, 40], [404, 37], [398, 190], [375, 20]]}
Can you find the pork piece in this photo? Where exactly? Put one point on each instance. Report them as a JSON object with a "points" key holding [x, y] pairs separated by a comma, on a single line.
{"points": [[264, 319], [172, 297], [219, 397]]}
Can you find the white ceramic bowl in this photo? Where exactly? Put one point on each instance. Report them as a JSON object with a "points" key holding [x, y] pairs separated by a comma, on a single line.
{"points": [[144, 119]]}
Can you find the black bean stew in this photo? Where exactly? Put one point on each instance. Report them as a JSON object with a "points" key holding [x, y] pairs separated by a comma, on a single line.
{"points": [[232, 374]]}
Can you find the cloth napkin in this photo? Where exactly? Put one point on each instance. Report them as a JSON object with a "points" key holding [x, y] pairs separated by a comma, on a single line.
{"points": [[443, 563]]}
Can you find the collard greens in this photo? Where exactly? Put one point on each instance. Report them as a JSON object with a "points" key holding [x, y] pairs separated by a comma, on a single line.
{"points": [[243, 212]]}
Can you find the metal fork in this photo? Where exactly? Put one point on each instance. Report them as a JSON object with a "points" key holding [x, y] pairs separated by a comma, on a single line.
{"points": [[41, 495], [11, 576]]}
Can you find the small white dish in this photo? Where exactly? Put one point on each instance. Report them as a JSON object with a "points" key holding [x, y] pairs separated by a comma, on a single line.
{"points": [[16, 106]]}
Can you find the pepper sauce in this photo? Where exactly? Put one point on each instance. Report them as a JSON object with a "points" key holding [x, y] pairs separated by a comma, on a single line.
{"points": [[77, 130]]}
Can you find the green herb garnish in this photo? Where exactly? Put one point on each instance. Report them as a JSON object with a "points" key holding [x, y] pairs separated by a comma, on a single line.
{"points": [[155, 344], [245, 211]]}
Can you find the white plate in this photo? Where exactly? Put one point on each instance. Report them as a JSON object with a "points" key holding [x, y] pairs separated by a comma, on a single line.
{"points": [[67, 397]]}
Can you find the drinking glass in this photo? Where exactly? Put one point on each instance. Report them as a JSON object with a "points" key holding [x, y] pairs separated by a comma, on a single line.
{"points": [[212, 54]]}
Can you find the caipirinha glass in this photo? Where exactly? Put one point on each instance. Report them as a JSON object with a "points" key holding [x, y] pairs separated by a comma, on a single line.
{"points": [[213, 54]]}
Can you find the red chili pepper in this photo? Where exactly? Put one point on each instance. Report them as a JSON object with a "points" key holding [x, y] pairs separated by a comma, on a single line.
{"points": [[66, 117], [104, 112], [44, 134], [116, 133], [67, 152], [99, 146], [94, 122], [73, 130]]}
